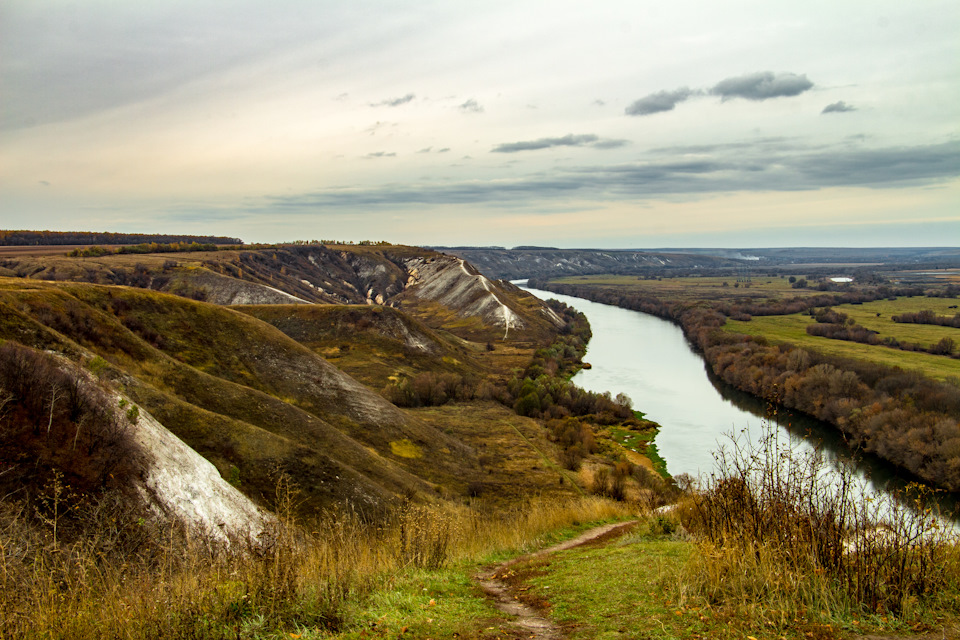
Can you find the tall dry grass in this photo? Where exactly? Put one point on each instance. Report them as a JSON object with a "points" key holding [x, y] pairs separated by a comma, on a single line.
{"points": [[303, 574], [782, 535]]}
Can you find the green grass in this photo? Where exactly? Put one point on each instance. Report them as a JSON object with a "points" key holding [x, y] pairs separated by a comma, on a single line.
{"points": [[420, 603], [644, 586], [792, 329], [640, 442], [695, 288], [878, 316], [623, 590]]}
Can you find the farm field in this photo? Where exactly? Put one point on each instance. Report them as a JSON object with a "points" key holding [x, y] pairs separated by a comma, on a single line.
{"points": [[696, 288], [877, 316]]}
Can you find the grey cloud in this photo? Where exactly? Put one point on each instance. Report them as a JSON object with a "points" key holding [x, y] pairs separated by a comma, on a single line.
{"points": [[659, 102], [569, 140], [599, 103], [425, 150], [471, 106], [381, 154], [762, 86], [838, 107], [394, 102], [761, 168], [609, 143], [444, 150]]}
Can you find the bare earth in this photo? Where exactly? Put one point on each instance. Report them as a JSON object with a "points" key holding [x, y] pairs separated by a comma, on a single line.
{"points": [[529, 623]]}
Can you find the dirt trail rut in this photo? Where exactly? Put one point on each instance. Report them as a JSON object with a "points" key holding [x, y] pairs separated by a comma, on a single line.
{"points": [[528, 620]]}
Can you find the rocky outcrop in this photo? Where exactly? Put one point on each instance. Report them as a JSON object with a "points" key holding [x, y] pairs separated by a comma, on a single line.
{"points": [[455, 284], [179, 486], [225, 290]]}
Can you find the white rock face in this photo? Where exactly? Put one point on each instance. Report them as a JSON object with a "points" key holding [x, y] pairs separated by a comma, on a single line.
{"points": [[448, 281], [179, 484]]}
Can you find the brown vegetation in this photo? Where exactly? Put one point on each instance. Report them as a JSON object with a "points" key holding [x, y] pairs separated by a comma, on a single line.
{"points": [[774, 527]]}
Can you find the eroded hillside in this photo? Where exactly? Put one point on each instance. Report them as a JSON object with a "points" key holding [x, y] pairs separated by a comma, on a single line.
{"points": [[441, 290], [250, 388]]}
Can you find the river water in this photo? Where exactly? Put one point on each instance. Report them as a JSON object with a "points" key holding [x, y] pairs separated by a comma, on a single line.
{"points": [[650, 360]]}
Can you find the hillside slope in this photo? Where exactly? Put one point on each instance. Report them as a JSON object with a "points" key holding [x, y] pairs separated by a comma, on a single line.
{"points": [[246, 396], [514, 264], [96, 451], [443, 291]]}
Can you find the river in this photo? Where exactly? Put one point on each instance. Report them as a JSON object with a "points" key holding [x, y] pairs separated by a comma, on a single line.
{"points": [[650, 360]]}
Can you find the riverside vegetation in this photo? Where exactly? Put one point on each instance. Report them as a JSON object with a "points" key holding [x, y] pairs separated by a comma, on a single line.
{"points": [[903, 407], [378, 530]]}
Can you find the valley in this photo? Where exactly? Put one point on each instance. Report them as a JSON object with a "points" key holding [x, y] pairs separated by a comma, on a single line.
{"points": [[334, 425]]}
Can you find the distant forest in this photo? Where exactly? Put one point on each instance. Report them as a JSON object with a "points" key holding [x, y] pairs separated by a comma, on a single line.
{"points": [[28, 238]]}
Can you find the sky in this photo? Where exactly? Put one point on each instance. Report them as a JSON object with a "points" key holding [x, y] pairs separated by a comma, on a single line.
{"points": [[610, 124]]}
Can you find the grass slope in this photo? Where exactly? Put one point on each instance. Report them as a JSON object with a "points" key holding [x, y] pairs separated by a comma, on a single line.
{"points": [[250, 384], [374, 344]]}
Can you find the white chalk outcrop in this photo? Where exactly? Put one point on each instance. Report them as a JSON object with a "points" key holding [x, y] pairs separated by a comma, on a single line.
{"points": [[452, 283], [178, 485]]}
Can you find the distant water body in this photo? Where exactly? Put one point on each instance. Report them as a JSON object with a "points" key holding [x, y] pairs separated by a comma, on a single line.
{"points": [[651, 361]]}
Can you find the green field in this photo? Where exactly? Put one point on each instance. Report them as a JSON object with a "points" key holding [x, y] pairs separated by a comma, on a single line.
{"points": [[697, 288], [872, 315]]}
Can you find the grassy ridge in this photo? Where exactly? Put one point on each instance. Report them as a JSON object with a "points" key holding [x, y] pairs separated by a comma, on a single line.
{"points": [[222, 380], [373, 344]]}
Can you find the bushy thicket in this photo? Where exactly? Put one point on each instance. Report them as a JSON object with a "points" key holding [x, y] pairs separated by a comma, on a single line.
{"points": [[147, 247], [928, 317], [781, 532], [64, 444]]}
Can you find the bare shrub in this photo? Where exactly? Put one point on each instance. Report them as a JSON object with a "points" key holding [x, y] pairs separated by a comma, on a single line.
{"points": [[800, 528]]}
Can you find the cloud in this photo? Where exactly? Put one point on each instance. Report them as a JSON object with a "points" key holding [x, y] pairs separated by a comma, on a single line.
{"points": [[733, 168], [471, 106], [658, 102], [838, 107], [377, 126], [394, 102], [569, 140], [381, 154], [610, 143], [425, 150], [762, 86]]}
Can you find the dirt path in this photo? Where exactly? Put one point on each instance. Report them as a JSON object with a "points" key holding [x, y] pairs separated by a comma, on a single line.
{"points": [[528, 619]]}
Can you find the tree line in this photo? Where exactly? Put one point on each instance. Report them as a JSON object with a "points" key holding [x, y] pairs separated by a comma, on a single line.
{"points": [[97, 251], [928, 317], [18, 238]]}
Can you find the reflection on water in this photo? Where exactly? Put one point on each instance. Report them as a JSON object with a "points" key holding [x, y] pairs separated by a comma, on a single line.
{"points": [[651, 361]]}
